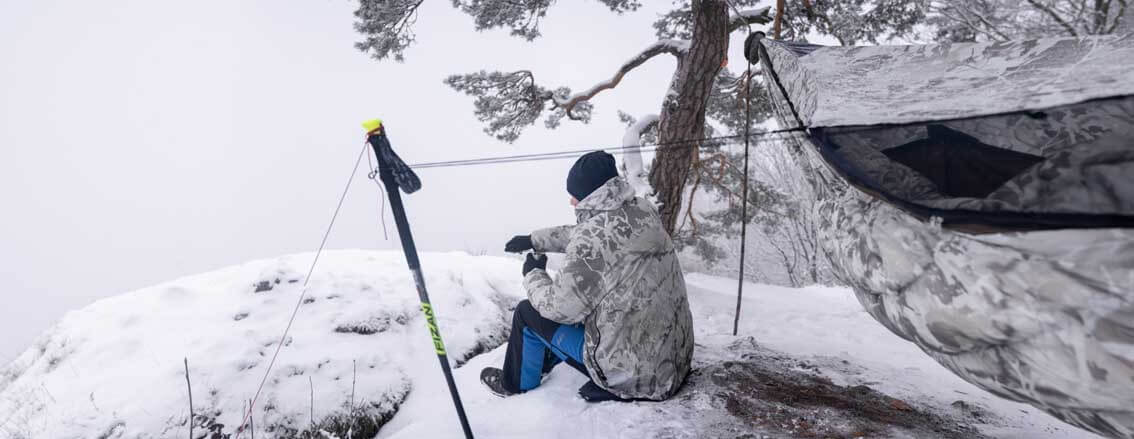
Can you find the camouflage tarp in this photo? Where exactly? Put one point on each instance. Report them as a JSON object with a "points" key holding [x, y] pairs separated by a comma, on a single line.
{"points": [[870, 85], [979, 199]]}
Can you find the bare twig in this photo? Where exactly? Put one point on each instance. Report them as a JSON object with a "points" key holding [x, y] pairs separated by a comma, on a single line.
{"points": [[1102, 13], [1080, 9], [964, 15], [697, 166], [251, 420], [353, 380], [1118, 18], [189, 384], [311, 383], [1054, 15], [991, 27], [672, 47]]}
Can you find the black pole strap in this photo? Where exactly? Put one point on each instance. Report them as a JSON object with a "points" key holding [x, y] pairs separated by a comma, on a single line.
{"points": [[395, 174]]}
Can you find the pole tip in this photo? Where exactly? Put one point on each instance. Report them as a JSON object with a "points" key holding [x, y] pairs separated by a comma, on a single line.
{"points": [[372, 125]]}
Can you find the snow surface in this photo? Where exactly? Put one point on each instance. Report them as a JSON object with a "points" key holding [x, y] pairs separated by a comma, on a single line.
{"points": [[114, 369], [825, 326]]}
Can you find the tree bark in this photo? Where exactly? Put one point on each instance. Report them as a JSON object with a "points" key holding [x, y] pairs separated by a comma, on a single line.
{"points": [[682, 120], [779, 19]]}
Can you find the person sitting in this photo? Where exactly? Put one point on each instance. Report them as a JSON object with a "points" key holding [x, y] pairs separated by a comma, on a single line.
{"points": [[617, 311]]}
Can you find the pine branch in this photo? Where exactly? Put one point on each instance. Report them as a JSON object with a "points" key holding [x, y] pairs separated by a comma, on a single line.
{"points": [[747, 17], [673, 47], [511, 101], [387, 26]]}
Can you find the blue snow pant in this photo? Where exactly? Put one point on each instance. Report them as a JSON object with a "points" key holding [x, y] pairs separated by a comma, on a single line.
{"points": [[536, 345]]}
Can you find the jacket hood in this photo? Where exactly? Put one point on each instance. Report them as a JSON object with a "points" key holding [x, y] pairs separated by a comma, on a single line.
{"points": [[610, 196]]}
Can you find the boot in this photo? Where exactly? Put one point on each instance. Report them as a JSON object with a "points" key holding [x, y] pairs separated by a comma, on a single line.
{"points": [[493, 379], [591, 392]]}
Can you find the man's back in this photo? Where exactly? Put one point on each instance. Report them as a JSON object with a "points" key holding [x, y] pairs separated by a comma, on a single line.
{"points": [[622, 279]]}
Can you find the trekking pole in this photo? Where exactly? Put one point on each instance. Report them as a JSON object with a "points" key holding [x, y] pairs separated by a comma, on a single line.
{"points": [[394, 173]]}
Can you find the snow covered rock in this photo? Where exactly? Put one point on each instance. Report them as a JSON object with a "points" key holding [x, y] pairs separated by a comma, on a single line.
{"points": [[115, 368]]}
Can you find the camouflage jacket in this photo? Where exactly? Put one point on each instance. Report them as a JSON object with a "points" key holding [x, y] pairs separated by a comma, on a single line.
{"points": [[622, 281]]}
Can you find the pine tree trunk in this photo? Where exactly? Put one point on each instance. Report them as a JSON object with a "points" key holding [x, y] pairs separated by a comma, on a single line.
{"points": [[683, 111]]}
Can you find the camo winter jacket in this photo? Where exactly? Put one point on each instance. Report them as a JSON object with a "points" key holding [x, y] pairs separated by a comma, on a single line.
{"points": [[622, 281]]}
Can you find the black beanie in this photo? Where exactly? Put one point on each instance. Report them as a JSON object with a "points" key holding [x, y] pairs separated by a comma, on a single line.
{"points": [[590, 172]]}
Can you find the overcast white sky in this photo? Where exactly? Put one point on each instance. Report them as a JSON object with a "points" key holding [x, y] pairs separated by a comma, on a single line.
{"points": [[144, 140]]}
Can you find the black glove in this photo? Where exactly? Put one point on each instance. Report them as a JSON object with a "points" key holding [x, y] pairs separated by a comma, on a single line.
{"points": [[519, 244], [533, 262]]}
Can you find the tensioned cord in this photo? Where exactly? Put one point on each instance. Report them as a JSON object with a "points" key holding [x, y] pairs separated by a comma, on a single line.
{"points": [[689, 143], [302, 294]]}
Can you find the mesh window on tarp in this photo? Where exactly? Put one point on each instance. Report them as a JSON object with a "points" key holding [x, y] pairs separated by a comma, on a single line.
{"points": [[1076, 159]]}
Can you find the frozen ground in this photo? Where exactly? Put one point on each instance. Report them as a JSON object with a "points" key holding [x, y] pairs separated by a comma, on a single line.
{"points": [[808, 362]]}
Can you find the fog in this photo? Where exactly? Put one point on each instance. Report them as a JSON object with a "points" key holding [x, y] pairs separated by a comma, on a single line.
{"points": [[141, 141]]}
